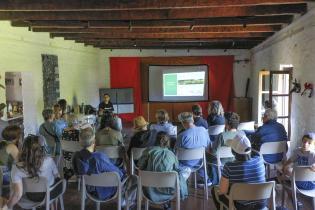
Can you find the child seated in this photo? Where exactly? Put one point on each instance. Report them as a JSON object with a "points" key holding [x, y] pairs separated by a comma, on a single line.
{"points": [[302, 156]]}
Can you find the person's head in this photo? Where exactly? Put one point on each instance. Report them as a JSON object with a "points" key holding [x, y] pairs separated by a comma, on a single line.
{"points": [[87, 138], [106, 98], [63, 105], [163, 139], [2, 106], [48, 114], [308, 141], [57, 111], [140, 124], [270, 114], [161, 116], [32, 155], [232, 120], [215, 108], [187, 119], [241, 147], [12, 133], [196, 110]]}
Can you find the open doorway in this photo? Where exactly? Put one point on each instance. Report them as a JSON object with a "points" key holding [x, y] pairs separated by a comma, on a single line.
{"points": [[21, 106]]}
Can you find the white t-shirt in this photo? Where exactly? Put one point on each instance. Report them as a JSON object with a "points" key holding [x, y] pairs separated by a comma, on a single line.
{"points": [[48, 170]]}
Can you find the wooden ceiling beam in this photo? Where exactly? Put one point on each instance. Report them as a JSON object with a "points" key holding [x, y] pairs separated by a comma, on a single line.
{"points": [[214, 29], [257, 20], [191, 35], [106, 5], [158, 14]]}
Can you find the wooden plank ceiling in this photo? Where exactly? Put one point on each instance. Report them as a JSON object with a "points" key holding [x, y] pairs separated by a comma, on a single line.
{"points": [[145, 24]]}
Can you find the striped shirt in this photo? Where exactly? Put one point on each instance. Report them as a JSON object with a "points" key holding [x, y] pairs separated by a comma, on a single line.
{"points": [[250, 171]]}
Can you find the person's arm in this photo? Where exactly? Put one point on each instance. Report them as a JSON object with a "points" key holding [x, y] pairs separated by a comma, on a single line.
{"points": [[224, 185], [16, 195], [13, 151]]}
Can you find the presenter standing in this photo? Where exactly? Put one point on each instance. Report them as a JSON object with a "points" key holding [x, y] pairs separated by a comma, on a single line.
{"points": [[105, 105]]}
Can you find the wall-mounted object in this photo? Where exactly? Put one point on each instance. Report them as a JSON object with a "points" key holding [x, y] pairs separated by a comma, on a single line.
{"points": [[308, 88], [296, 87]]}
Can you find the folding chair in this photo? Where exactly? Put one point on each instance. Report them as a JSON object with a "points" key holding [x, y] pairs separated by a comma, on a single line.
{"points": [[250, 192], [165, 179], [247, 126], [272, 148], [302, 173], [223, 152], [136, 154], [115, 153], [106, 179], [35, 185], [195, 154], [216, 130]]}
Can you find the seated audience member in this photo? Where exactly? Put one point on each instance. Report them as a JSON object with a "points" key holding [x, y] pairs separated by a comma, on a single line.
{"points": [[215, 113], [162, 123], [111, 135], [302, 156], [246, 168], [231, 123], [270, 131], [161, 159], [9, 150], [49, 131], [33, 164], [3, 123], [60, 123], [192, 137], [198, 119], [87, 161], [142, 136]]}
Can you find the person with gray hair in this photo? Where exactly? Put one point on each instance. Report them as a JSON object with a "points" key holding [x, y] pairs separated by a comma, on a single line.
{"points": [[192, 137], [110, 135], [87, 161], [270, 131], [215, 113]]}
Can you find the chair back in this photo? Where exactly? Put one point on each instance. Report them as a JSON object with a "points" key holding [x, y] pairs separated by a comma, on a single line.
{"points": [[190, 154], [303, 173], [247, 126], [136, 154], [165, 179], [273, 147], [216, 129], [252, 191], [33, 185], [113, 152], [224, 152], [70, 146], [106, 179]]}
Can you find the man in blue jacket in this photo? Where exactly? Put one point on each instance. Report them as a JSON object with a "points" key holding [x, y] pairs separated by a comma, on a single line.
{"points": [[89, 162], [270, 131]]}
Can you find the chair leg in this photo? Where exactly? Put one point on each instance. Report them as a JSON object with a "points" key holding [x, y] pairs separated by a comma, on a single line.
{"points": [[146, 205], [98, 206], [195, 177], [139, 194], [79, 183], [313, 203], [61, 203]]}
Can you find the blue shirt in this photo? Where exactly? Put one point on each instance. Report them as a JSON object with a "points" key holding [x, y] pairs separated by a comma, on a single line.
{"points": [[250, 171], [192, 138], [86, 163], [271, 131], [215, 120], [200, 122], [167, 127], [60, 125]]}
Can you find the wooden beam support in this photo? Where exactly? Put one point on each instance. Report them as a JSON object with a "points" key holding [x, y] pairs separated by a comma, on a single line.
{"points": [[191, 35], [257, 20], [158, 14], [214, 29], [106, 5]]}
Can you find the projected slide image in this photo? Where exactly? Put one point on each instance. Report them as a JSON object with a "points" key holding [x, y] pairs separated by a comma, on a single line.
{"points": [[184, 84]]}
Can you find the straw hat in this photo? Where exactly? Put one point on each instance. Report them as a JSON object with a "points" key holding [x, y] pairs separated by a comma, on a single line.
{"points": [[139, 122]]}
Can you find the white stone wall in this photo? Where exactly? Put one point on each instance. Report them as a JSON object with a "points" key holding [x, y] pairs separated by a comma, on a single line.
{"points": [[294, 45]]}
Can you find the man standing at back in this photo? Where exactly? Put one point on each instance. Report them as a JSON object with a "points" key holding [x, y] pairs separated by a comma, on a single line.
{"points": [[193, 137], [270, 131]]}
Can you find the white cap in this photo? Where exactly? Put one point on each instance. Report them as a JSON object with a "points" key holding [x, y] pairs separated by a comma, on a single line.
{"points": [[240, 144]]}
